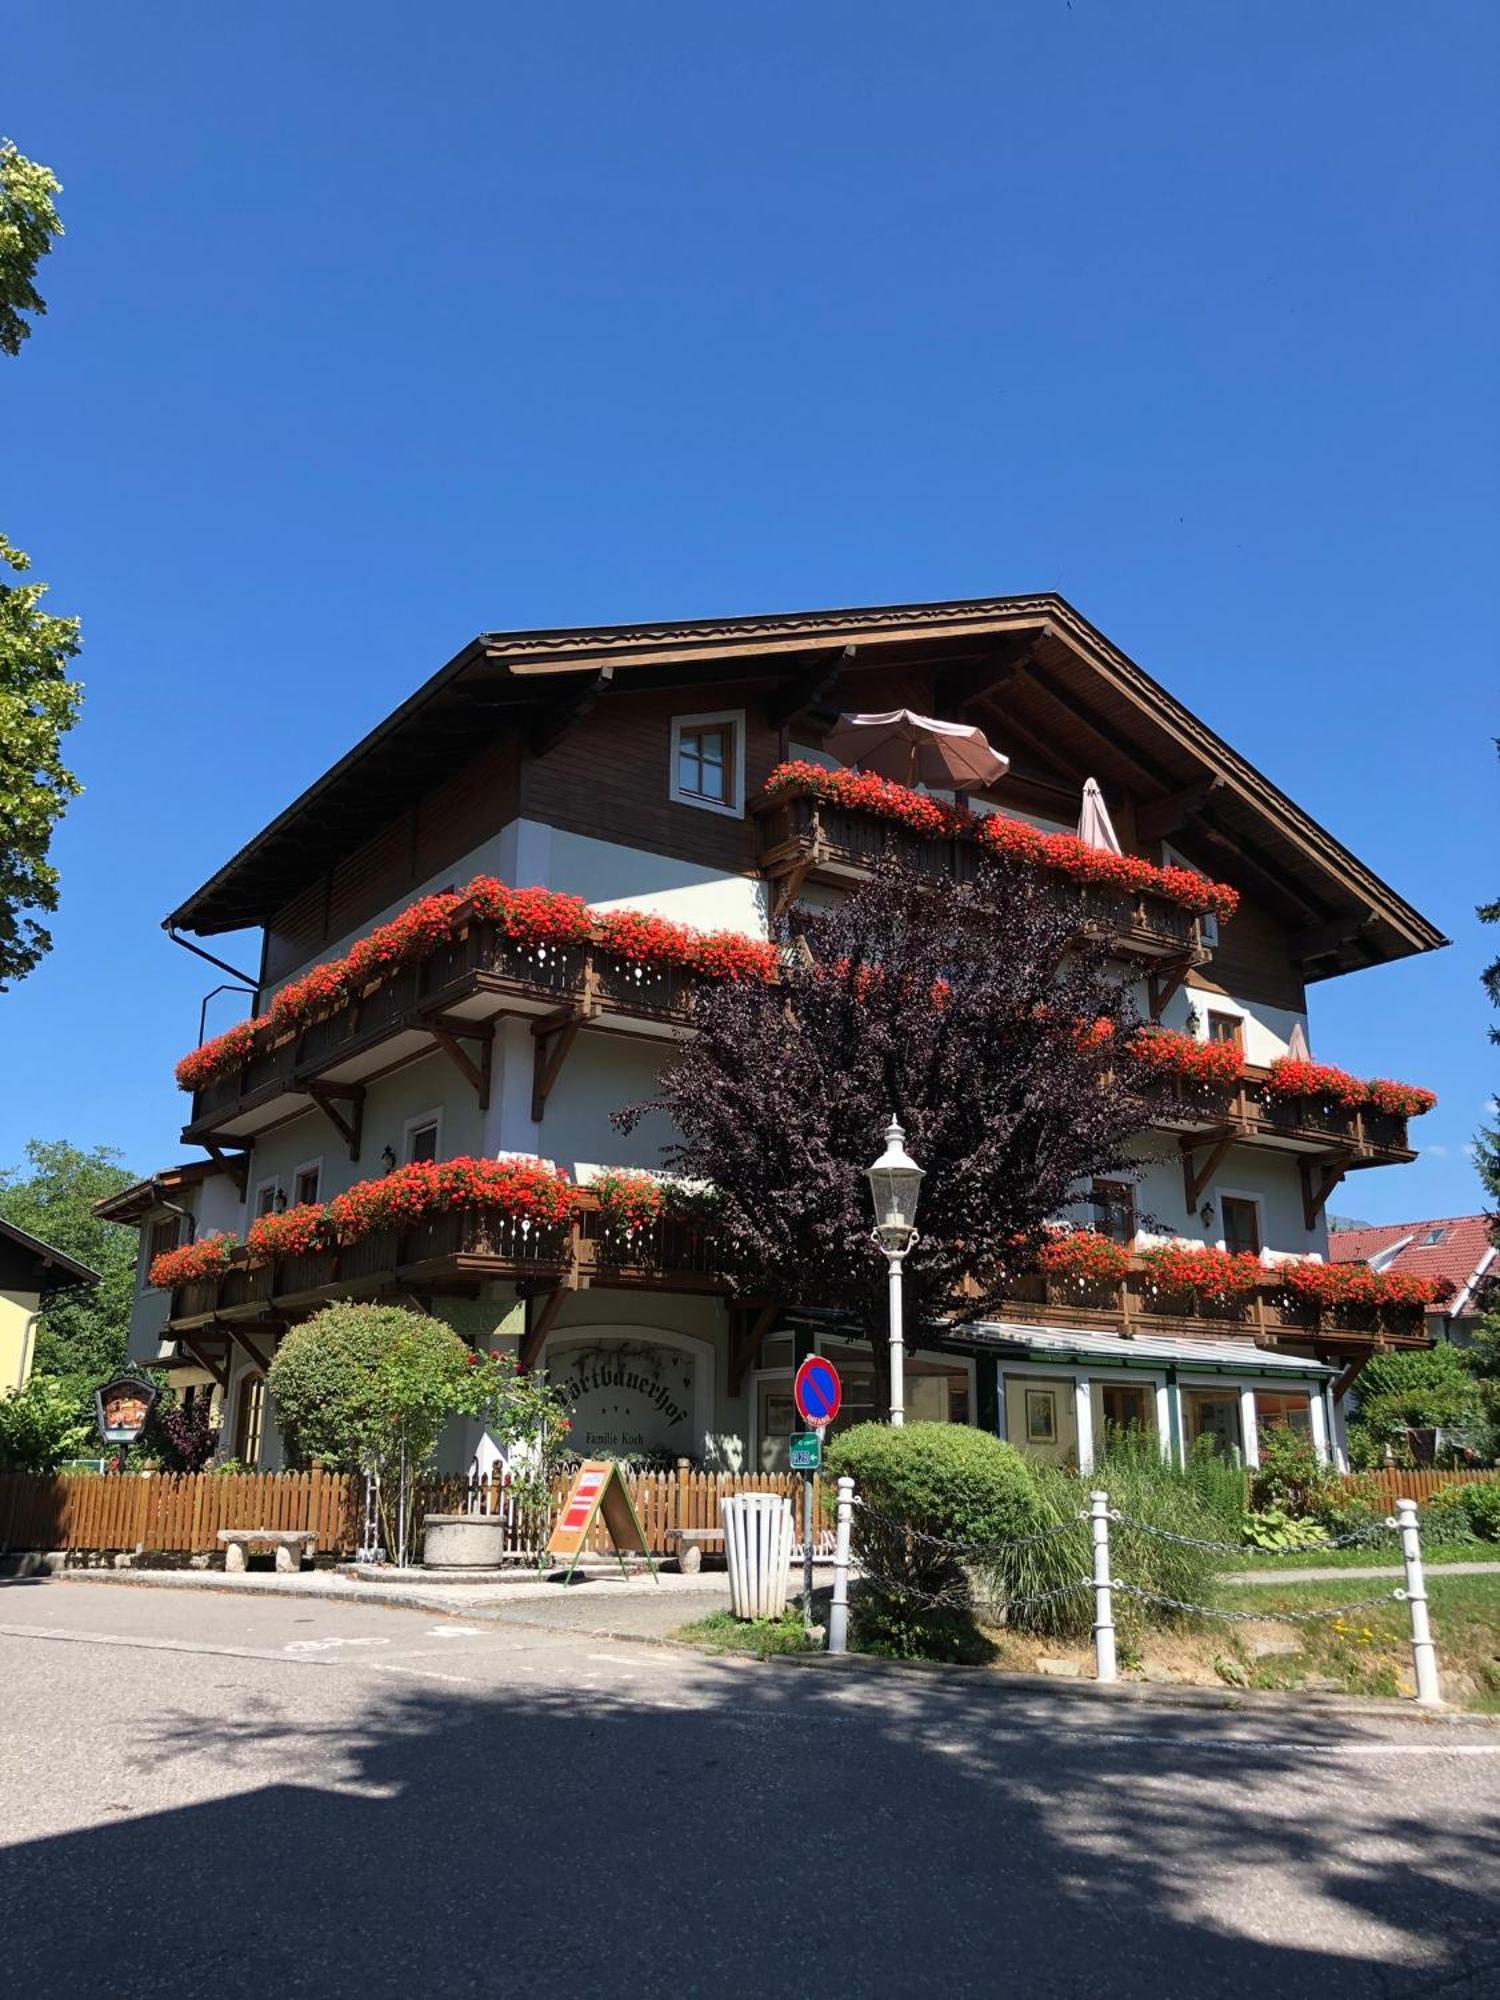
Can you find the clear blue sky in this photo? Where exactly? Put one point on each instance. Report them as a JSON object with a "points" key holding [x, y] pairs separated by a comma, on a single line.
{"points": [[377, 325]]}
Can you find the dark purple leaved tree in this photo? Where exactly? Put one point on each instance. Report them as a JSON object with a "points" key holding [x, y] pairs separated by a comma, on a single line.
{"points": [[957, 1008], [188, 1436]]}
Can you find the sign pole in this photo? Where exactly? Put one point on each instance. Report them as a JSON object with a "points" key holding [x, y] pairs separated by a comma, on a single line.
{"points": [[807, 1550], [818, 1395]]}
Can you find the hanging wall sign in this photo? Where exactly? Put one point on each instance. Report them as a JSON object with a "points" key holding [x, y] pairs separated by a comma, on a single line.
{"points": [[627, 1398], [122, 1406]]}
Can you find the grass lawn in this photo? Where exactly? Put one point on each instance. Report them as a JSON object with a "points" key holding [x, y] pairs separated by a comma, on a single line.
{"points": [[1369, 1651], [1365, 1556], [722, 1632]]}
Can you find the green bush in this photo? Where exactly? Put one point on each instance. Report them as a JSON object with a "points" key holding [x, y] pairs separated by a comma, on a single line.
{"points": [[42, 1426], [1482, 1506], [948, 1481], [356, 1381], [1290, 1477]]}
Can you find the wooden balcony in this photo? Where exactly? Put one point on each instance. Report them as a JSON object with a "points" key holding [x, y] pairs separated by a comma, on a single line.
{"points": [[453, 1252], [450, 1000], [803, 839], [1311, 1127], [1268, 1316]]}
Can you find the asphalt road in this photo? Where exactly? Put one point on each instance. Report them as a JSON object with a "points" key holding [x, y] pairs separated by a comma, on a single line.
{"points": [[204, 1794]]}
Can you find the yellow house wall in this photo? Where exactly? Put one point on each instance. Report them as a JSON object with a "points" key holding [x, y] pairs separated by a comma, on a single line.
{"points": [[18, 1312]]}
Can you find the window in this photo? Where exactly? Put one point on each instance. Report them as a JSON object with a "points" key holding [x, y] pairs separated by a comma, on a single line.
{"points": [[265, 1197], [1272, 1408], [306, 1180], [250, 1420], [1214, 1414], [1431, 1237], [1127, 1406], [1241, 1224], [708, 762], [164, 1237], [423, 1136], [1226, 1028], [1114, 1210]]}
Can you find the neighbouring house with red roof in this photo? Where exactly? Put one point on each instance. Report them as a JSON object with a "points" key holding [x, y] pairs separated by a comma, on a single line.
{"points": [[1457, 1248]]}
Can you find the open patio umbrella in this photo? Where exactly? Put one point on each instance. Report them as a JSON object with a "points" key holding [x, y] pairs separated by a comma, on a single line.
{"points": [[1095, 828], [917, 750]]}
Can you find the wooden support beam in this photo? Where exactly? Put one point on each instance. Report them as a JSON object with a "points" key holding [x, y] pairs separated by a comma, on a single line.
{"points": [[542, 1309], [1009, 729], [1195, 1181], [1252, 864], [785, 889], [559, 716], [1326, 940], [747, 1338], [1163, 983], [220, 1374], [977, 680], [326, 1096], [1319, 1179], [808, 688], [235, 1165], [476, 1073], [1345, 1382], [1139, 761], [243, 1341], [1162, 816], [552, 1040]]}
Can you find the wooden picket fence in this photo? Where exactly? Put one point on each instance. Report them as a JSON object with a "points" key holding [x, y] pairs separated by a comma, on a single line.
{"points": [[183, 1513], [1389, 1484]]}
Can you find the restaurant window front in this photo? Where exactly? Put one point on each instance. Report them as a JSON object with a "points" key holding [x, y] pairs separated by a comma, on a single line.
{"points": [[1213, 1414]]}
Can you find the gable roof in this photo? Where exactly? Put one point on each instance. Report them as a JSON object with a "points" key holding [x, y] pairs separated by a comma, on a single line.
{"points": [[1023, 663], [135, 1202], [48, 1265], [1465, 1254]]}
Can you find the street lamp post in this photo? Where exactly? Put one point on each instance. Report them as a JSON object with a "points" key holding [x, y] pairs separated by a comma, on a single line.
{"points": [[895, 1182]]}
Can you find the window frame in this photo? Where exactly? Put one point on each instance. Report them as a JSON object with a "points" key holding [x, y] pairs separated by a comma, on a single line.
{"points": [[419, 1123], [1235, 1023], [732, 720], [258, 1208], [1221, 1195], [306, 1167], [1125, 1190]]}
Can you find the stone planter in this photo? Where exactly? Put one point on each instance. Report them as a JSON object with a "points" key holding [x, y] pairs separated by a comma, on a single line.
{"points": [[463, 1541]]}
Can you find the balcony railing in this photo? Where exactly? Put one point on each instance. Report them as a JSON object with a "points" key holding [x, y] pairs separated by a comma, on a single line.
{"points": [[1267, 1315], [803, 838], [482, 961], [1298, 1124], [459, 1247]]}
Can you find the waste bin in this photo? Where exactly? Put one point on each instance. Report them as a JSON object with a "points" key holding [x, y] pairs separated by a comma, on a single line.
{"points": [[758, 1542]]}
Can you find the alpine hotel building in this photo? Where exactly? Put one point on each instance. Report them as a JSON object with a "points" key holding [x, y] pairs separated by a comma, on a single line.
{"points": [[637, 770]]}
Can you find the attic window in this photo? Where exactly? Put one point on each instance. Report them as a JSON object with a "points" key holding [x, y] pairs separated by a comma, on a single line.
{"points": [[708, 761], [1432, 1236]]}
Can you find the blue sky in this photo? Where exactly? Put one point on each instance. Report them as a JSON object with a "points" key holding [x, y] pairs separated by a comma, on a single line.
{"points": [[378, 326]]}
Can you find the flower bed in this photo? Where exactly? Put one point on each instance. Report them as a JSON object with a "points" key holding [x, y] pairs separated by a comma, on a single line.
{"points": [[861, 791], [1289, 1079], [203, 1259], [1165, 1052], [1084, 1257], [531, 916], [1206, 1273], [1324, 1287]]}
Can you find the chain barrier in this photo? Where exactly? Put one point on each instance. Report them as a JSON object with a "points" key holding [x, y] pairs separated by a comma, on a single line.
{"points": [[956, 1597], [1245, 1549], [908, 1533], [1257, 1617]]}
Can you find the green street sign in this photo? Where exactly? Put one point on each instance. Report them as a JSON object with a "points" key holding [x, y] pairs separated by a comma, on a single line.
{"points": [[805, 1451]]}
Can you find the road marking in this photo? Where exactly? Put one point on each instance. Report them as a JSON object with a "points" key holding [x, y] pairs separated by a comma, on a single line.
{"points": [[454, 1632], [327, 1645], [421, 1673]]}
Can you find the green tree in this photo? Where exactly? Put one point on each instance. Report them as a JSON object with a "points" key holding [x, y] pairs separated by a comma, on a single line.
{"points": [[38, 702], [42, 1426], [83, 1328], [1428, 1388]]}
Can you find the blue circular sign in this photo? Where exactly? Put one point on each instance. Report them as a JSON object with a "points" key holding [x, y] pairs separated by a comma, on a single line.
{"points": [[817, 1391]]}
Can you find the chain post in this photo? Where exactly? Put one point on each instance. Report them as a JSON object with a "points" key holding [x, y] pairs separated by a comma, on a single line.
{"points": [[838, 1615], [1104, 1611], [1423, 1652]]}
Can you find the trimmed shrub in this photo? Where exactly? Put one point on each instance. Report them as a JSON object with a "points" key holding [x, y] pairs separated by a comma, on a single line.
{"points": [[1482, 1506], [353, 1380], [917, 1597]]}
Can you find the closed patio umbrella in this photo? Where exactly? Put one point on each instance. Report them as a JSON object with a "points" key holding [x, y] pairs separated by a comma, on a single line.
{"points": [[916, 749], [1296, 1047], [1094, 825]]}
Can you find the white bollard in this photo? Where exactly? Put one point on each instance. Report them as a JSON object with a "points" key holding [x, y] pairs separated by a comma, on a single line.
{"points": [[1423, 1652], [838, 1615], [758, 1542], [1104, 1604]]}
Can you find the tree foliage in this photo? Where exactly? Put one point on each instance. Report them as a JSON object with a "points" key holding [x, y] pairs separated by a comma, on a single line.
{"points": [[28, 223], [960, 1010], [39, 704], [83, 1329], [43, 1426]]}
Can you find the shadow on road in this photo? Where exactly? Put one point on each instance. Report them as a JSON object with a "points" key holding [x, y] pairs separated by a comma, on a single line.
{"points": [[759, 1832]]}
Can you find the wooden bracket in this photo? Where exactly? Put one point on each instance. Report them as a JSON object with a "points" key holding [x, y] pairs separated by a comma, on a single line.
{"points": [[477, 1073], [553, 1038], [220, 1374], [235, 1165], [326, 1096], [1166, 815], [243, 1341], [746, 1340], [808, 687], [554, 722], [542, 1309], [1162, 985], [785, 889], [1319, 1179], [1345, 1382], [1195, 1180]]}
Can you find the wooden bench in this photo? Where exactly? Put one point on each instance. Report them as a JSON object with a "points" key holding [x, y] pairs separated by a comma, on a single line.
{"points": [[293, 1546]]}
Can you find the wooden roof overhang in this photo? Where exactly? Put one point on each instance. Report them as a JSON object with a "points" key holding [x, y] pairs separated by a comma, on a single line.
{"points": [[1047, 686]]}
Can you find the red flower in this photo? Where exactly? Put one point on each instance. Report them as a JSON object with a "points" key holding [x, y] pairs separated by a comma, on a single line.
{"points": [[201, 1259], [1327, 1286], [296, 1232], [1165, 1052], [1084, 1257], [1206, 1272], [1290, 1078]]}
